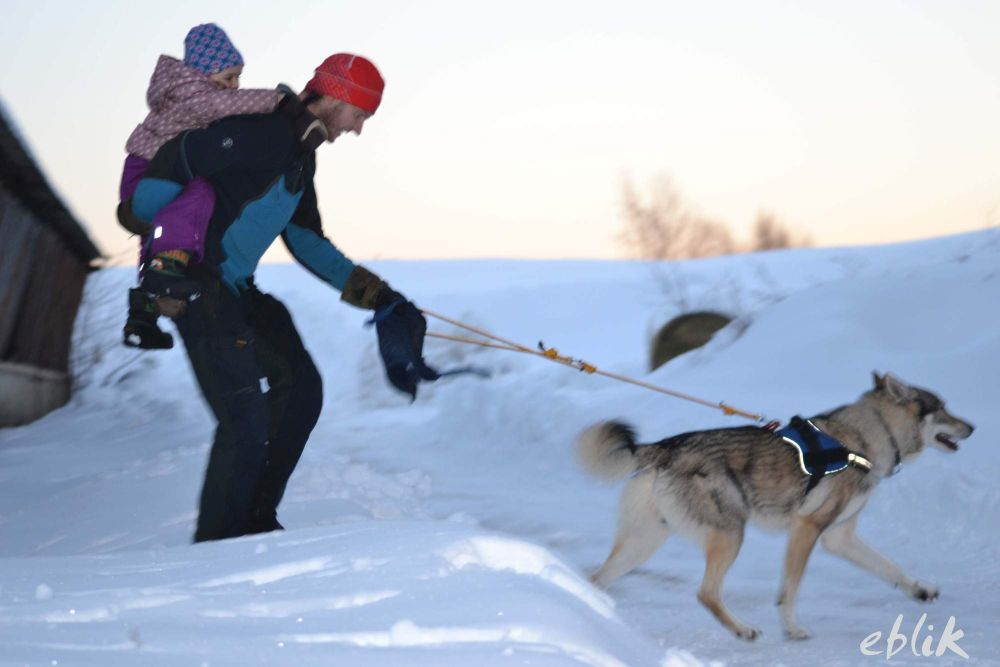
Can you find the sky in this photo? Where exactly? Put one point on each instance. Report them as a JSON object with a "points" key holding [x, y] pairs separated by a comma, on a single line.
{"points": [[510, 129]]}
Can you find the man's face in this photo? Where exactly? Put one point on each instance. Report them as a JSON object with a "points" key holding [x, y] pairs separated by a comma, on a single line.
{"points": [[339, 116]]}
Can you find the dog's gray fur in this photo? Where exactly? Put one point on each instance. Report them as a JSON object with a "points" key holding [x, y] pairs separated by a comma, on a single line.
{"points": [[708, 484]]}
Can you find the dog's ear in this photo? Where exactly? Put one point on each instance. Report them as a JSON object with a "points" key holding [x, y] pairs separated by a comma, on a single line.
{"points": [[896, 388], [878, 380]]}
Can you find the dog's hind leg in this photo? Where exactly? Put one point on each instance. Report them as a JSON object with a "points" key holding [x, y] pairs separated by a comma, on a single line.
{"points": [[802, 538], [841, 540], [641, 531], [721, 548]]}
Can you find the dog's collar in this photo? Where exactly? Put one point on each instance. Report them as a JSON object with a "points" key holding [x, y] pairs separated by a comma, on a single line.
{"points": [[820, 454], [897, 458]]}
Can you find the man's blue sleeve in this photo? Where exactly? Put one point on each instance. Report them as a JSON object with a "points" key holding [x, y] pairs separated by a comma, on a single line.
{"points": [[305, 240]]}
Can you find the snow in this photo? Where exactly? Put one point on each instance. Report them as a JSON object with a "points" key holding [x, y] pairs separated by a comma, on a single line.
{"points": [[459, 530]]}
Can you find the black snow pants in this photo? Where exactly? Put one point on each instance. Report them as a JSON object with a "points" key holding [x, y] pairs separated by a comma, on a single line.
{"points": [[233, 342]]}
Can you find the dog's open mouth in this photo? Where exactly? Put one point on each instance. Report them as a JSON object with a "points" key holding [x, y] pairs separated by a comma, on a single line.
{"points": [[947, 441]]}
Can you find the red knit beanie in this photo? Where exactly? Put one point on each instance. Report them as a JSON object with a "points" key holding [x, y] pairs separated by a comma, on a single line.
{"points": [[350, 78]]}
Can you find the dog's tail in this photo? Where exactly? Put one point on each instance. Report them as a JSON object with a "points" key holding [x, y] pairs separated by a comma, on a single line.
{"points": [[607, 450]]}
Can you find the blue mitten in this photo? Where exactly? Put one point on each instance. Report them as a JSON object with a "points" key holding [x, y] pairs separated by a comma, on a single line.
{"points": [[401, 328]]}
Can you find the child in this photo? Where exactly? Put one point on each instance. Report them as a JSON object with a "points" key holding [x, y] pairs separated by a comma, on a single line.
{"points": [[181, 96]]}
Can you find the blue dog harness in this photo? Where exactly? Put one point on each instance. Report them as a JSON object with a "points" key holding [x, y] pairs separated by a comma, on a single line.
{"points": [[819, 453]]}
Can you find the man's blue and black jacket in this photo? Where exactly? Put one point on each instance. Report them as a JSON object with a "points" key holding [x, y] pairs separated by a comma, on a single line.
{"points": [[262, 173]]}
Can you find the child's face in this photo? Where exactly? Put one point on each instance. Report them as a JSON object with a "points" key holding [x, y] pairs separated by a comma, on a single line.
{"points": [[228, 78]]}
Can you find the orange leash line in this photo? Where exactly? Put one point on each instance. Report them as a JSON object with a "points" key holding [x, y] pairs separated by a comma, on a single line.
{"points": [[553, 355]]}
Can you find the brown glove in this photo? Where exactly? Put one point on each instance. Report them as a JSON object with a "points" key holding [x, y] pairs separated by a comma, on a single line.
{"points": [[170, 307], [364, 289]]}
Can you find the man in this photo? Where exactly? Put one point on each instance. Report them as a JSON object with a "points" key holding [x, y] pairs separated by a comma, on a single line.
{"points": [[261, 168]]}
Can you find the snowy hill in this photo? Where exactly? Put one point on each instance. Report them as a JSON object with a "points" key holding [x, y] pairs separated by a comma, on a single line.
{"points": [[459, 530]]}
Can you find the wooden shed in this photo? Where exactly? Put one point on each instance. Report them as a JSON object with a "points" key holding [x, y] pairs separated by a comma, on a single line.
{"points": [[45, 258]]}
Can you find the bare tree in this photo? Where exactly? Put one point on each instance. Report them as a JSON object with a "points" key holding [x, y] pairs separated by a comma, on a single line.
{"points": [[665, 228], [770, 234]]}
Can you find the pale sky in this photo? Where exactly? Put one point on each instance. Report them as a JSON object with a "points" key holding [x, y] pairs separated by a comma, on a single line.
{"points": [[507, 128]]}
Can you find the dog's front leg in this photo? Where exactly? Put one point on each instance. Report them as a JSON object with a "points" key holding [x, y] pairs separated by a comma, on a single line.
{"points": [[802, 539], [721, 547], [842, 540]]}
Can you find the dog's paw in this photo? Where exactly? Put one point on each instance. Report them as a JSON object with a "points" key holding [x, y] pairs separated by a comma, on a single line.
{"points": [[746, 633], [924, 593], [796, 633]]}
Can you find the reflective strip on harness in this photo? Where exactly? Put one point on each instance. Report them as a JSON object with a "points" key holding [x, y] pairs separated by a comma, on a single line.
{"points": [[819, 454]]}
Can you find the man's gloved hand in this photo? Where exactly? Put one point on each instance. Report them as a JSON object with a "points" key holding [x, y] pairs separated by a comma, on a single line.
{"points": [[364, 289], [401, 328]]}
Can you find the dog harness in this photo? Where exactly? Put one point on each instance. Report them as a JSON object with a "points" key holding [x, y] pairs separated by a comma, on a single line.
{"points": [[820, 454]]}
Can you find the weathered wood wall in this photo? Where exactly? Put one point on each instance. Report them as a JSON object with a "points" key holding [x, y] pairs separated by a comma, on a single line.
{"points": [[41, 284], [45, 257]]}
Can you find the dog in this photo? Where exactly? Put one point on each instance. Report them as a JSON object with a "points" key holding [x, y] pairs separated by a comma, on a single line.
{"points": [[709, 484]]}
